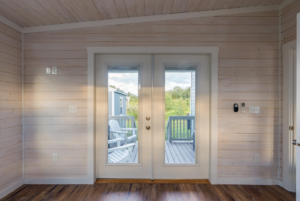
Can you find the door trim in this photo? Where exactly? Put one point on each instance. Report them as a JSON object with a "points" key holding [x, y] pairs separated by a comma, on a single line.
{"points": [[287, 147], [91, 128]]}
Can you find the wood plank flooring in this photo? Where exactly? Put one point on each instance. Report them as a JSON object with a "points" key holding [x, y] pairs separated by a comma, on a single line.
{"points": [[157, 192]]}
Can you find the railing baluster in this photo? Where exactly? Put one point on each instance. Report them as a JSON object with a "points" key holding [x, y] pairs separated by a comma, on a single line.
{"points": [[177, 128], [173, 136], [183, 133], [180, 133]]}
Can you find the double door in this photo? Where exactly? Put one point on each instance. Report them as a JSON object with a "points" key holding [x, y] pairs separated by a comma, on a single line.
{"points": [[152, 118]]}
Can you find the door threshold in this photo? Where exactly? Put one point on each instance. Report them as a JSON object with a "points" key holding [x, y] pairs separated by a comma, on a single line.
{"points": [[155, 181]]}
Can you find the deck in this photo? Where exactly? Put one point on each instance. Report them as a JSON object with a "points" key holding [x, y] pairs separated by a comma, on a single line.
{"points": [[176, 152]]}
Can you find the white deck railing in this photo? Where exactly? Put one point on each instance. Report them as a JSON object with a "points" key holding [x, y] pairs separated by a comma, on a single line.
{"points": [[124, 121]]}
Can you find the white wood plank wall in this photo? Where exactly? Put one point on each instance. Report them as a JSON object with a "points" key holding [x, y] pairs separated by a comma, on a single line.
{"points": [[288, 33], [11, 154], [288, 21], [248, 73]]}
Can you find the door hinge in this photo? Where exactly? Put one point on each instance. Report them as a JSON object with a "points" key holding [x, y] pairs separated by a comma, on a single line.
{"points": [[291, 128]]}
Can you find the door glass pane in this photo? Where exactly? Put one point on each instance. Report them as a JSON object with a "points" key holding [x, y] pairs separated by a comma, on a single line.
{"points": [[123, 114], [180, 88]]}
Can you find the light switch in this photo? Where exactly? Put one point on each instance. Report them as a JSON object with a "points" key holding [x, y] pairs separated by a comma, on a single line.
{"points": [[254, 109], [54, 69], [256, 158], [54, 157], [48, 70], [72, 108]]}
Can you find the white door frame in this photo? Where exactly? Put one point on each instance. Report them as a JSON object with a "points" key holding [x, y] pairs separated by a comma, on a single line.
{"points": [[288, 149], [212, 51], [298, 108]]}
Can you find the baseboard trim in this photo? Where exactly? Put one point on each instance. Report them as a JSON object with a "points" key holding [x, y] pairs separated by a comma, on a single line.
{"points": [[280, 183], [248, 181], [155, 181], [82, 180], [10, 188]]}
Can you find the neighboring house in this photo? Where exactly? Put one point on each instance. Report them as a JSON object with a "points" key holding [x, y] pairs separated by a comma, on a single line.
{"points": [[192, 93], [117, 102]]}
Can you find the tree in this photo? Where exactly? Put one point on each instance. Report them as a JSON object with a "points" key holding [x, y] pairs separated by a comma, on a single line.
{"points": [[118, 89], [177, 102]]}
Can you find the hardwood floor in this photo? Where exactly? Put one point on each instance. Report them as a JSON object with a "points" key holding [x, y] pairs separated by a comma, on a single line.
{"points": [[157, 192]]}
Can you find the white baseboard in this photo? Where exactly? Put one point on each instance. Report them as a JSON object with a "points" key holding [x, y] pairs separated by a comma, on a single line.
{"points": [[10, 188], [81, 180], [280, 183], [248, 181]]}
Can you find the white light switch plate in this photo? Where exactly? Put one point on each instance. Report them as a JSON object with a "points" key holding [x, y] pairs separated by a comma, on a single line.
{"points": [[54, 69], [256, 158], [48, 70], [54, 158], [254, 109], [72, 108]]}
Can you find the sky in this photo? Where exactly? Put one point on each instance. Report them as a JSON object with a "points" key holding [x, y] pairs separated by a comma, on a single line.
{"points": [[128, 82]]}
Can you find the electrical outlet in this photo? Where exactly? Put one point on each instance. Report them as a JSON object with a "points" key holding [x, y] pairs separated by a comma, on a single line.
{"points": [[48, 70], [256, 158], [54, 157], [54, 70], [254, 109], [72, 108]]}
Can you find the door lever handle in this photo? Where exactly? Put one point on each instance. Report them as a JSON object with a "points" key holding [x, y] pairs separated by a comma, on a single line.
{"points": [[294, 142]]}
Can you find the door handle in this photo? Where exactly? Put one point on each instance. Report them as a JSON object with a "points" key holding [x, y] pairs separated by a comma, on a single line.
{"points": [[294, 142], [148, 127]]}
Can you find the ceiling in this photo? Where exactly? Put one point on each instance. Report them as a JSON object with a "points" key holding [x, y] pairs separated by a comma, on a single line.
{"points": [[29, 13]]}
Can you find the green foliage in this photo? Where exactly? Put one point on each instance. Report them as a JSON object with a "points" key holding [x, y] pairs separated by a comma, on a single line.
{"points": [[132, 110], [120, 90], [177, 102]]}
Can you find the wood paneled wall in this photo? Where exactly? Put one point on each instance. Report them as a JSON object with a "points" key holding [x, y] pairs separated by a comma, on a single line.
{"points": [[288, 21], [11, 154], [248, 72]]}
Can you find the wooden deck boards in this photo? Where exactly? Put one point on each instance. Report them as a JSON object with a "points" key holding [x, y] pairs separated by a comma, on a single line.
{"points": [[175, 152], [145, 191], [179, 152]]}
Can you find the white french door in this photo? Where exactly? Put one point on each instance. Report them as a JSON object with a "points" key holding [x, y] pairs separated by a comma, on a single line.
{"points": [[143, 129], [111, 164], [178, 154]]}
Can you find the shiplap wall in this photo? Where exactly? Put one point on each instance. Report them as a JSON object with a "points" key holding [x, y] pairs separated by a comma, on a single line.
{"points": [[288, 34], [248, 72], [11, 154], [288, 21]]}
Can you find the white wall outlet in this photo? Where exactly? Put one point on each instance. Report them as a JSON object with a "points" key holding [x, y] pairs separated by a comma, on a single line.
{"points": [[72, 108], [254, 109], [256, 158], [48, 70], [54, 158], [54, 70]]}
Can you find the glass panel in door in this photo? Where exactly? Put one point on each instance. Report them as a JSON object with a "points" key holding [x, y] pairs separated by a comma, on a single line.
{"points": [[123, 102], [180, 87]]}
